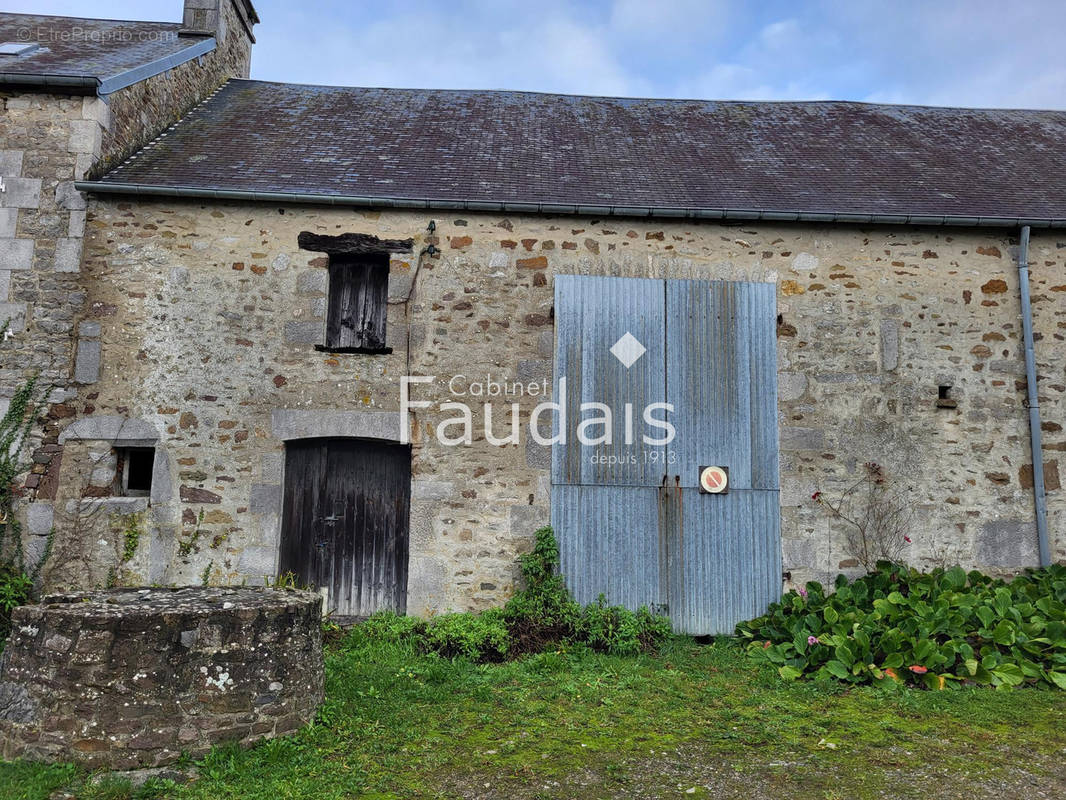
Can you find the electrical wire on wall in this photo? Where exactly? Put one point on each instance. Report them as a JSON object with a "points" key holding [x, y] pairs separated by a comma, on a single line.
{"points": [[428, 250]]}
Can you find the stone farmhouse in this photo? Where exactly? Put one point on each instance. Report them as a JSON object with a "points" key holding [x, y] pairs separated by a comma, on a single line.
{"points": [[377, 337]]}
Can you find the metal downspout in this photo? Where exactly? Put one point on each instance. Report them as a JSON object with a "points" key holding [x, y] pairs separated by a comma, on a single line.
{"points": [[1039, 497]]}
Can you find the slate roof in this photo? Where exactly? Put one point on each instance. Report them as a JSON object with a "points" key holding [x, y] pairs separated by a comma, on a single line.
{"points": [[489, 149], [90, 52]]}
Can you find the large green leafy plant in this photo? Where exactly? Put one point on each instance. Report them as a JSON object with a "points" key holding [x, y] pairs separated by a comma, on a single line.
{"points": [[939, 629]]}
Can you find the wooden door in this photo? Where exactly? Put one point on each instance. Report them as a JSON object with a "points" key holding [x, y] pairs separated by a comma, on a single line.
{"points": [[345, 522]]}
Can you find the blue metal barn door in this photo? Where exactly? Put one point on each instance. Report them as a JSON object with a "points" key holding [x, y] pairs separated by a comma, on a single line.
{"points": [[631, 522], [605, 495]]}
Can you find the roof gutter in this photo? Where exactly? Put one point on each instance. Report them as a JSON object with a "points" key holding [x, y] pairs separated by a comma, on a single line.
{"points": [[81, 84], [148, 190], [1039, 495]]}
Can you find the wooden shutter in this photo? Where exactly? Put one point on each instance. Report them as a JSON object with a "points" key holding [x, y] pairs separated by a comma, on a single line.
{"points": [[358, 302]]}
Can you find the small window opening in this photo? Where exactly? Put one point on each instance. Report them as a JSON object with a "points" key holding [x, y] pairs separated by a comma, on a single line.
{"points": [[134, 471], [358, 303], [944, 398]]}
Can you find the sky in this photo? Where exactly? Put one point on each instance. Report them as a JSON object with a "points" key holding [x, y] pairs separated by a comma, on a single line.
{"points": [[980, 53]]}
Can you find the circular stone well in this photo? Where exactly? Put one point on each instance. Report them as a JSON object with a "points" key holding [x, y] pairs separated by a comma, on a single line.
{"points": [[130, 678]]}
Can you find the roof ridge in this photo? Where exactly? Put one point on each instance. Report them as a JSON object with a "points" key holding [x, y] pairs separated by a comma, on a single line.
{"points": [[735, 102]]}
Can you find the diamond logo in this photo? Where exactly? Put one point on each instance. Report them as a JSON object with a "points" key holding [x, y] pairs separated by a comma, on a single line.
{"points": [[628, 350]]}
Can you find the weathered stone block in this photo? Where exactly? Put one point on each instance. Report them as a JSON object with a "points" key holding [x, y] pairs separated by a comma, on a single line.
{"points": [[120, 431], [86, 136], [265, 498], [16, 254], [538, 456], [76, 226], [791, 386], [106, 505], [162, 486], [89, 329], [889, 344], [39, 517], [432, 490], [14, 314], [798, 554], [258, 562], [802, 438], [21, 193], [16, 704], [96, 109], [11, 163], [1008, 543], [300, 332], [795, 491], [304, 424], [83, 162], [399, 285], [312, 281], [8, 224], [526, 520], [534, 371], [426, 585], [546, 344], [194, 494], [423, 514], [271, 467], [68, 255], [68, 197], [34, 548], [87, 361]]}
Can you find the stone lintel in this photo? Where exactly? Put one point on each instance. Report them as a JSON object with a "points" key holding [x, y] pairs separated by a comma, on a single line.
{"points": [[290, 423], [353, 244]]}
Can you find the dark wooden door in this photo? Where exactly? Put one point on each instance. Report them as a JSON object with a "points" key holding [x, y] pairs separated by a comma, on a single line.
{"points": [[345, 522]]}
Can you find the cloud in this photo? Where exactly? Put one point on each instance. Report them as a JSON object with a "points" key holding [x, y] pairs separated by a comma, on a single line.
{"points": [[780, 35], [959, 52], [675, 19], [545, 48], [946, 52]]}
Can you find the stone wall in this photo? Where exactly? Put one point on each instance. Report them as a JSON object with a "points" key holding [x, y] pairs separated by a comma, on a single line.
{"points": [[47, 141], [209, 315], [128, 679]]}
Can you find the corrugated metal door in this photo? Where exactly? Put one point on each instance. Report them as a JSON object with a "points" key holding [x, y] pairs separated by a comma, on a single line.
{"points": [[605, 496], [345, 522], [630, 519]]}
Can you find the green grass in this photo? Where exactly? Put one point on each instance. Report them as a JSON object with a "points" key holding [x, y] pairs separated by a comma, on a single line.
{"points": [[585, 725]]}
